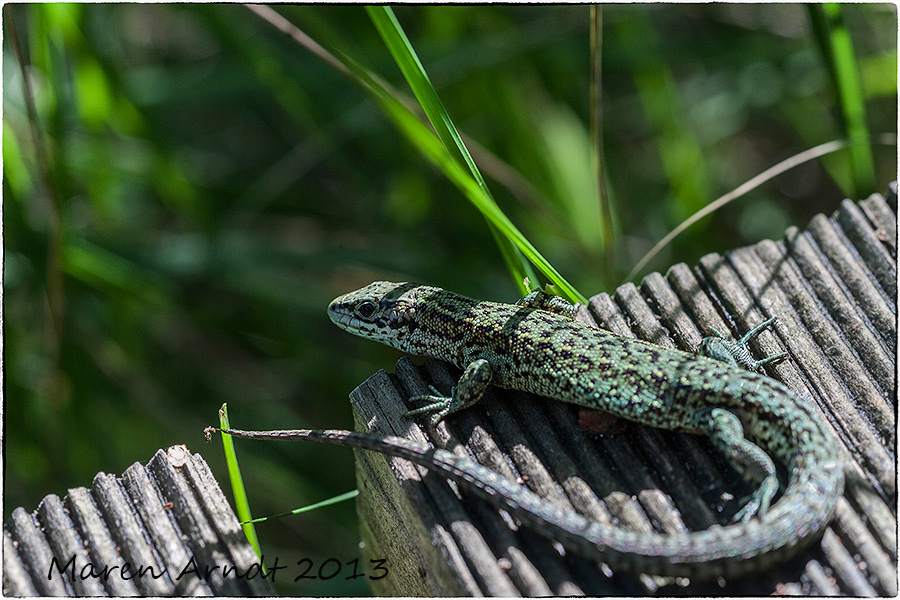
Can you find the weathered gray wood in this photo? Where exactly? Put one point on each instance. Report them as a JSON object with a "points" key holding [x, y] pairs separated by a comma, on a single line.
{"points": [[35, 554], [162, 516], [165, 537], [16, 580], [127, 530], [833, 289]]}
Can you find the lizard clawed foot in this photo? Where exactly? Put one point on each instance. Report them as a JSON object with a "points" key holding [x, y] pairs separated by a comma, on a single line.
{"points": [[543, 300], [759, 501], [471, 386], [438, 404]]}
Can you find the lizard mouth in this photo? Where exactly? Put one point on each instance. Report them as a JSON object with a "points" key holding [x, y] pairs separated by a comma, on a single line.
{"points": [[379, 311], [346, 319], [343, 318]]}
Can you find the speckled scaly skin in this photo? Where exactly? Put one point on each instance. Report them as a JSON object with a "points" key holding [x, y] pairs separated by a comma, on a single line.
{"points": [[537, 346]]}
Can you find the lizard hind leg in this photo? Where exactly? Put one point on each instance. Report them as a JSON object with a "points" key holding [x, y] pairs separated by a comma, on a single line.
{"points": [[720, 347], [468, 390], [726, 433]]}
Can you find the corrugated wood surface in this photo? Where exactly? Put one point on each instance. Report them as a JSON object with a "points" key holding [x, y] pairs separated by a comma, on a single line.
{"points": [[833, 289], [162, 515]]}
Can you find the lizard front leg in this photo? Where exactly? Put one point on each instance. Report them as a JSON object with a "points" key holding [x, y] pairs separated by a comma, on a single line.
{"points": [[542, 300], [468, 390]]}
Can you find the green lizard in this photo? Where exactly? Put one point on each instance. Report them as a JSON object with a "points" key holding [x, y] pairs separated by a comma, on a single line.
{"points": [[537, 346]]}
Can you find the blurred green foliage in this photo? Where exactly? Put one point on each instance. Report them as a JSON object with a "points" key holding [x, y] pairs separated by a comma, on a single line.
{"points": [[209, 186]]}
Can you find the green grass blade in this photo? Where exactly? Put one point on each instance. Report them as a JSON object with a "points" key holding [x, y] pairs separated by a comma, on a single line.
{"points": [[434, 151], [837, 49], [241, 504], [401, 49], [596, 102], [340, 498], [430, 147]]}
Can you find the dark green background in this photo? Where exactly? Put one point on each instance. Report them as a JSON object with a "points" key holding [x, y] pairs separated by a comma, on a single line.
{"points": [[217, 186]]}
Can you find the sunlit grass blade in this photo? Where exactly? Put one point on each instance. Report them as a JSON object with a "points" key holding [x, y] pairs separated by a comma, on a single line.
{"points": [[400, 48], [430, 147], [241, 504], [402, 51], [336, 499], [434, 151], [837, 48]]}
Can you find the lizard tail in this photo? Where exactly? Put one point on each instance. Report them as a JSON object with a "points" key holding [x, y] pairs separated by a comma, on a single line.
{"points": [[719, 551]]}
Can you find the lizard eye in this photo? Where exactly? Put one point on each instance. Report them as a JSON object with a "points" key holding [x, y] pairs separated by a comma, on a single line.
{"points": [[366, 309]]}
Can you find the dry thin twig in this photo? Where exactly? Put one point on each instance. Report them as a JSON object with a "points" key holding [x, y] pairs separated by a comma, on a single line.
{"points": [[770, 173]]}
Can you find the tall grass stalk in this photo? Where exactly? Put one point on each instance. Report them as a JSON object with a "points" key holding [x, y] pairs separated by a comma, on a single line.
{"points": [[429, 145], [835, 44]]}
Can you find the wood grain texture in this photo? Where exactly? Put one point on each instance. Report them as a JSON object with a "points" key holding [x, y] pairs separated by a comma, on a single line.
{"points": [[162, 514]]}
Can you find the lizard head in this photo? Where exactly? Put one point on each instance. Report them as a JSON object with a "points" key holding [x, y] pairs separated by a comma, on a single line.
{"points": [[382, 311]]}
